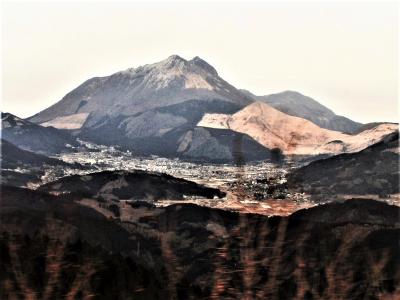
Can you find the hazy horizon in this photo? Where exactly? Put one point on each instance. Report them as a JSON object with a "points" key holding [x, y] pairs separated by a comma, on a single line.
{"points": [[344, 55]]}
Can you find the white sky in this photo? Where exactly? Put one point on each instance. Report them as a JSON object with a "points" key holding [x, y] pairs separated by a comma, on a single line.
{"points": [[344, 55]]}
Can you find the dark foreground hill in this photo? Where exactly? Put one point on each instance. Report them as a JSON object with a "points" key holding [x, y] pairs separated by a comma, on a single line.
{"points": [[123, 185], [375, 170], [53, 248]]}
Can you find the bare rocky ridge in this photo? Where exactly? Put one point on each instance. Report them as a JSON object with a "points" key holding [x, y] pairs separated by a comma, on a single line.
{"points": [[293, 135]]}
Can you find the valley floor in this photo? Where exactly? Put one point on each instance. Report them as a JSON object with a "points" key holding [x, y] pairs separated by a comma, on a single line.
{"points": [[257, 187]]}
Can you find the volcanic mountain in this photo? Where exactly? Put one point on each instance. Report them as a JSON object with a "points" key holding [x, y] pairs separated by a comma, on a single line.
{"points": [[154, 109], [162, 109], [33, 137], [136, 90], [298, 105]]}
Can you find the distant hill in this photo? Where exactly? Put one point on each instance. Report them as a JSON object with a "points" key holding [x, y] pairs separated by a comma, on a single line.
{"points": [[374, 170], [371, 125], [13, 157], [298, 105], [123, 185], [20, 167], [293, 135], [33, 137]]}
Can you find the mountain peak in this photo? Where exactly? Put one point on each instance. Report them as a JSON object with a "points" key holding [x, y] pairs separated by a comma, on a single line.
{"points": [[177, 61], [171, 81], [172, 61], [10, 120], [175, 57], [291, 92], [204, 65], [175, 64]]}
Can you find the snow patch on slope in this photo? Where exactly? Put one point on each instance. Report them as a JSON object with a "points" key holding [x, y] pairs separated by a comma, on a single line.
{"points": [[70, 122], [194, 81], [219, 121], [161, 74]]}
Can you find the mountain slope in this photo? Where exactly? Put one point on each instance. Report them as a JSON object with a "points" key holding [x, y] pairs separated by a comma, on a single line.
{"points": [[13, 157], [33, 137], [171, 131], [151, 109], [374, 170], [298, 105], [156, 109], [136, 90], [293, 135]]}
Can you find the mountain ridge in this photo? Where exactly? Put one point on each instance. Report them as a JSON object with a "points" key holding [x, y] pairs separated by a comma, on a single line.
{"points": [[299, 105], [162, 103], [33, 137], [352, 173], [135, 90], [156, 104], [293, 135]]}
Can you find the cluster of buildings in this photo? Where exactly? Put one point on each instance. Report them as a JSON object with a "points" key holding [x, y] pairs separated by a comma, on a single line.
{"points": [[260, 180]]}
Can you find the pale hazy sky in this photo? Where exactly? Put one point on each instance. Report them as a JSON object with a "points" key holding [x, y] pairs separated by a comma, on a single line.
{"points": [[344, 55]]}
